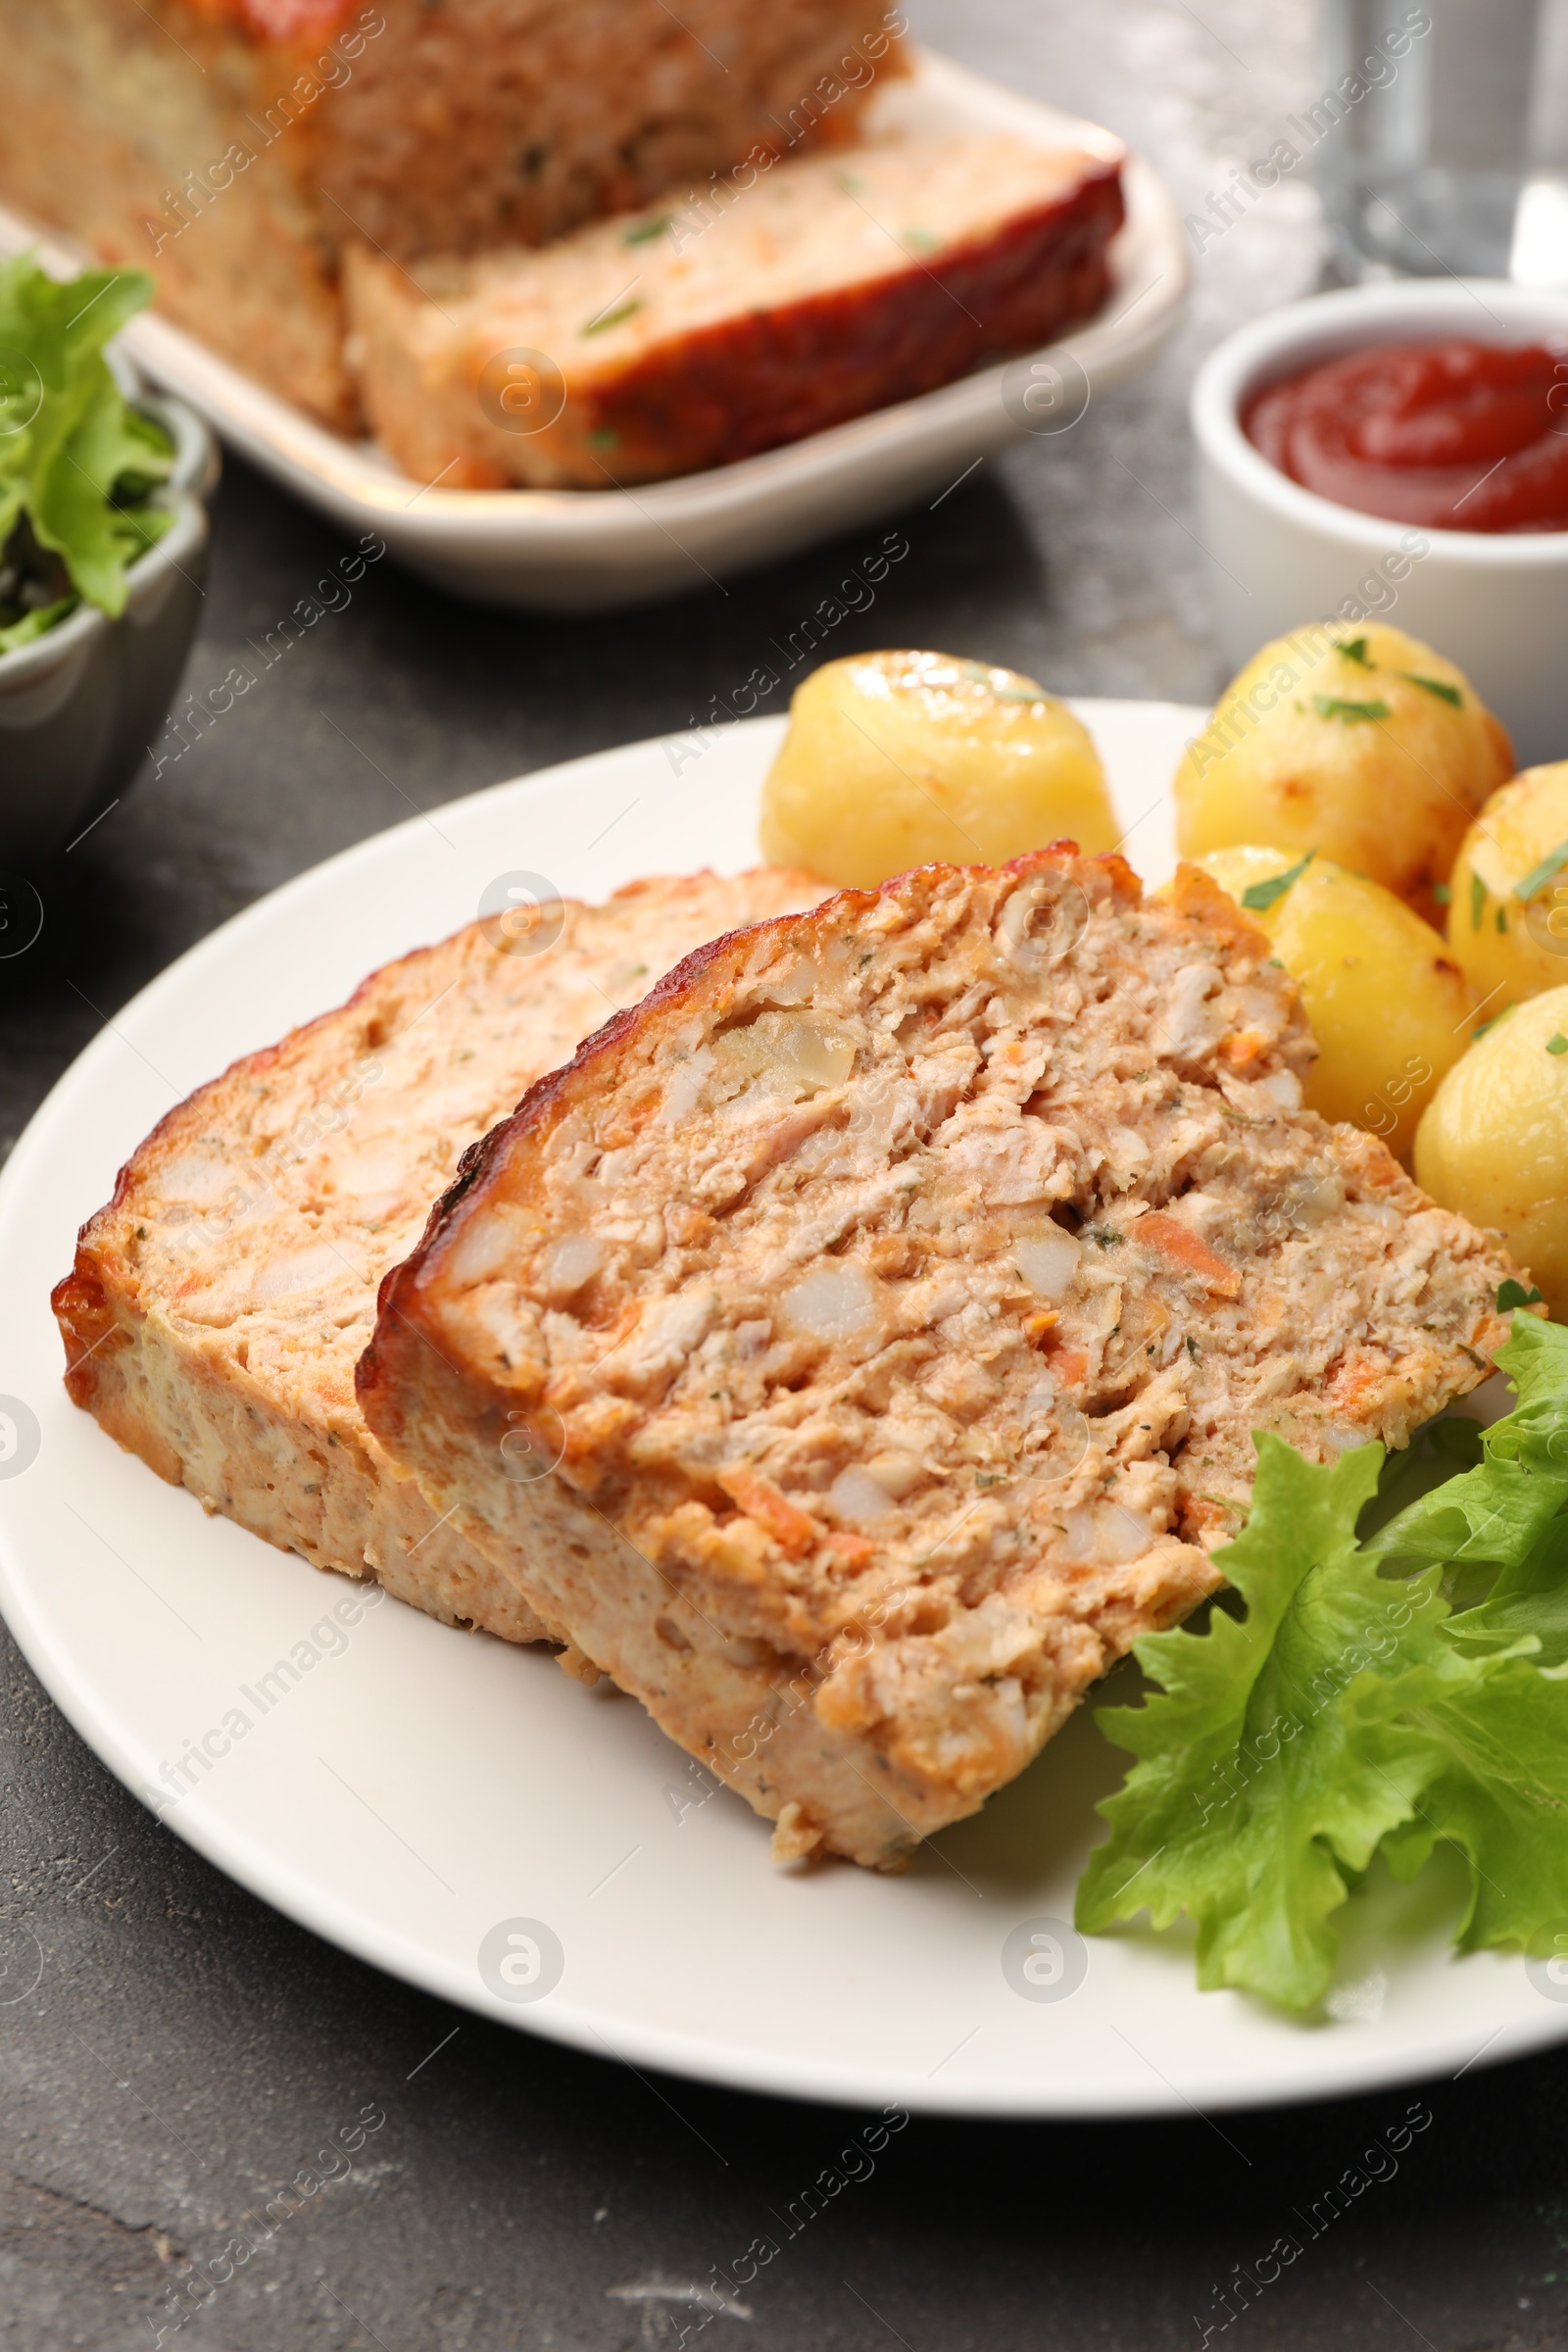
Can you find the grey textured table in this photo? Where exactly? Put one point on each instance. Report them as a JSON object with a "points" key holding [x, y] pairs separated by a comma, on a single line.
{"points": [[185, 2050]]}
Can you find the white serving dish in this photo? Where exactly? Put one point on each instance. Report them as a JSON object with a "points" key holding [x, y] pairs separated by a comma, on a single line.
{"points": [[564, 550], [1279, 556], [420, 1794]]}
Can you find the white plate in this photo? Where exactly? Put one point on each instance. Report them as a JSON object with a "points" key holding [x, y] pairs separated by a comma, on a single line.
{"points": [[581, 550], [423, 1787]]}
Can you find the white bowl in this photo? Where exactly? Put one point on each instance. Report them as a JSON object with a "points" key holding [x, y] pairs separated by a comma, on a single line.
{"points": [[1279, 556]]}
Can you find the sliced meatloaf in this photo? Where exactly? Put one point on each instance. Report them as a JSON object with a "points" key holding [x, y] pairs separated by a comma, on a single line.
{"points": [[896, 1291], [218, 1304], [233, 145], [711, 327]]}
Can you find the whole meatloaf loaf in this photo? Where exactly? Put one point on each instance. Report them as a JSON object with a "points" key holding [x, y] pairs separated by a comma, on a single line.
{"points": [[218, 1304], [233, 145], [896, 1291], [787, 300]]}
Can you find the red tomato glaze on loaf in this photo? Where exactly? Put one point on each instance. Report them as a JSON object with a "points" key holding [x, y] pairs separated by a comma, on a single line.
{"points": [[279, 24]]}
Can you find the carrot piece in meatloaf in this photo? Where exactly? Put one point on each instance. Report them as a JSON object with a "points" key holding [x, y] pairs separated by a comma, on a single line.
{"points": [[894, 1292], [233, 145], [218, 1304], [711, 328]]}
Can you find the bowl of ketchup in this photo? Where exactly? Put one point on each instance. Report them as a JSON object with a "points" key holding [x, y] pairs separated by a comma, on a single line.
{"points": [[1399, 452]]}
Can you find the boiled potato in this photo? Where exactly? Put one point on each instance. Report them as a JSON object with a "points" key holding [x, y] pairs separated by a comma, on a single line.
{"points": [[1511, 945], [1493, 1143], [1387, 1003], [1356, 741], [900, 758]]}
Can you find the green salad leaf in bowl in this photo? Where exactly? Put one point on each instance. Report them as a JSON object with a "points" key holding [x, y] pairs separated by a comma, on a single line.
{"points": [[78, 464]]}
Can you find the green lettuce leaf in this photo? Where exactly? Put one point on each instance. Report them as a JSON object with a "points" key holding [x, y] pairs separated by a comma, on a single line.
{"points": [[1498, 1512], [75, 458], [1249, 1808], [1377, 1695], [1529, 1597], [35, 623], [1495, 1730]]}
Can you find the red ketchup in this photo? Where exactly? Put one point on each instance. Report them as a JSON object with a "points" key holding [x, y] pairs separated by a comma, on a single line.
{"points": [[1456, 436]]}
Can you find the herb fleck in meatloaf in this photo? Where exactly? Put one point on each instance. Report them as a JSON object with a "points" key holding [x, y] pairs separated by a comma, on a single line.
{"points": [[898, 1287], [218, 1304], [233, 145], [704, 331]]}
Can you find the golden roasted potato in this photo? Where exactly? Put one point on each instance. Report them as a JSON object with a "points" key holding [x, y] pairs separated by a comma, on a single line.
{"points": [[1356, 741], [896, 760], [1508, 907], [1493, 1143], [1388, 1004]]}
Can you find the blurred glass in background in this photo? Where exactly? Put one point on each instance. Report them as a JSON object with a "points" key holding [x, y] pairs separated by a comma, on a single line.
{"points": [[1442, 137]]}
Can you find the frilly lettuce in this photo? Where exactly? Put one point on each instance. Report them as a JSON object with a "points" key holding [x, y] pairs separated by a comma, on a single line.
{"points": [[1377, 1695]]}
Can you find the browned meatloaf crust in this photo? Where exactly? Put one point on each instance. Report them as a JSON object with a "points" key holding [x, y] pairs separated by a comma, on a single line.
{"points": [[218, 1304], [696, 334], [897, 1289], [233, 145]]}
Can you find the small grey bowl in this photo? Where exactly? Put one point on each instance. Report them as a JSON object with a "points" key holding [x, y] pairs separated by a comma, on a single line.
{"points": [[80, 706]]}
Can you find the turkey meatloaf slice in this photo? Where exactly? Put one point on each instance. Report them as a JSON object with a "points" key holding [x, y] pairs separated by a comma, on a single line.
{"points": [[895, 1293], [715, 326], [233, 145], [218, 1304]]}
